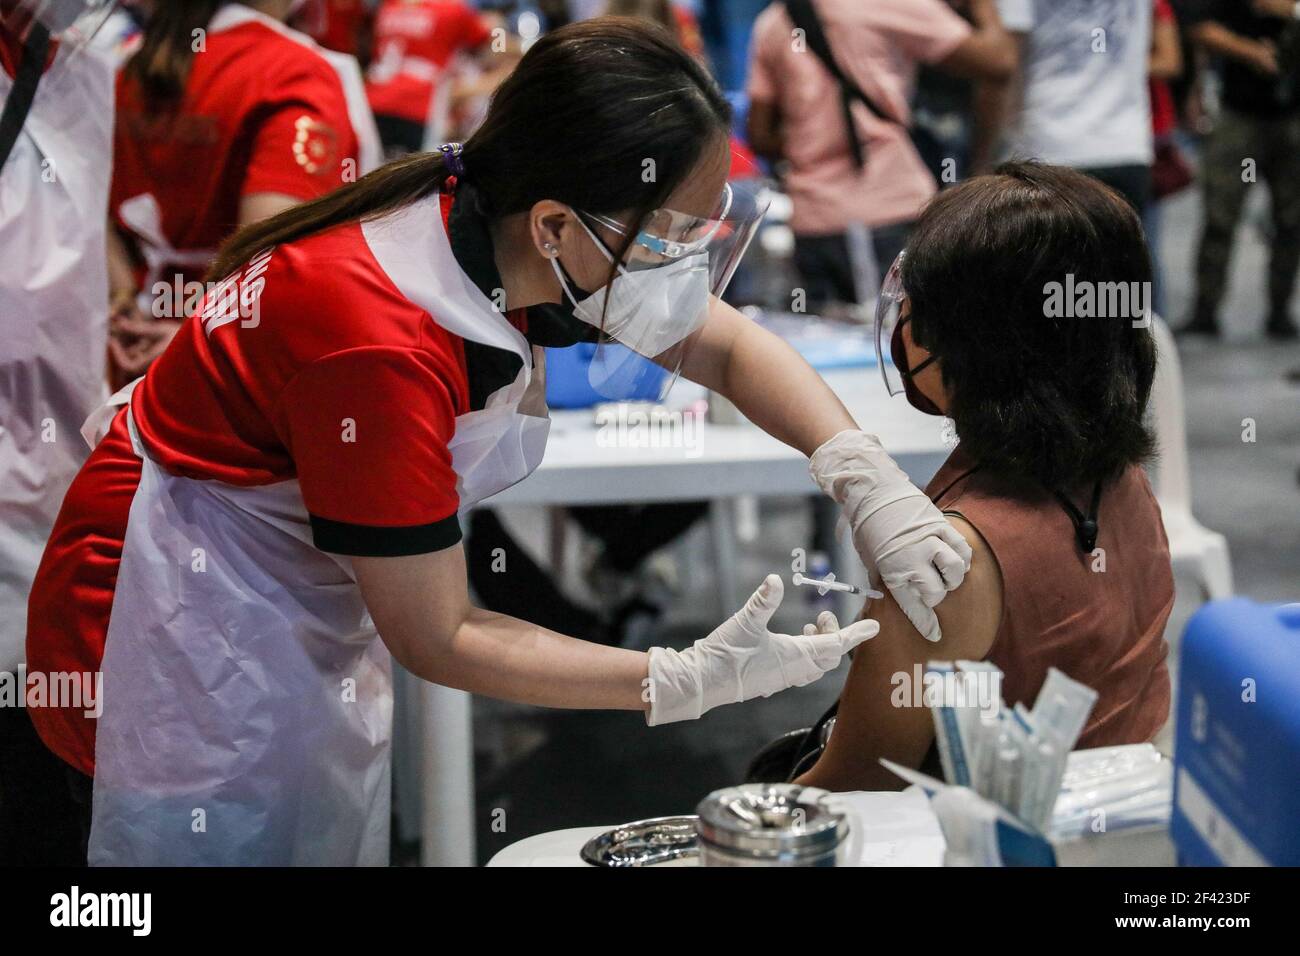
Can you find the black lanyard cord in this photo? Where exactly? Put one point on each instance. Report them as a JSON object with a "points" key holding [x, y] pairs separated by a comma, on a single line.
{"points": [[952, 484], [19, 102], [1085, 526]]}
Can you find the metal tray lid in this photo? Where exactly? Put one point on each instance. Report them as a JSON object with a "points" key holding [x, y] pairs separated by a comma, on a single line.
{"points": [[761, 819]]}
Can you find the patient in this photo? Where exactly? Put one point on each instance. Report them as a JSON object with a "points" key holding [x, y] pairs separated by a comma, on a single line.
{"points": [[1047, 393]]}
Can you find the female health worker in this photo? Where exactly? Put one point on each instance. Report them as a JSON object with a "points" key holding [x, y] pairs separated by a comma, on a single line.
{"points": [[283, 485]]}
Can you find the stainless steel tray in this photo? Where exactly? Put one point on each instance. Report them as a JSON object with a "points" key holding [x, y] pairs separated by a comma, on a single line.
{"points": [[654, 842]]}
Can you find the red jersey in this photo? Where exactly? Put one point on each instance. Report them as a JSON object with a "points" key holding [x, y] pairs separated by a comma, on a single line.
{"points": [[11, 51], [1164, 115], [334, 24], [414, 42], [688, 31], [308, 364], [744, 164], [263, 111]]}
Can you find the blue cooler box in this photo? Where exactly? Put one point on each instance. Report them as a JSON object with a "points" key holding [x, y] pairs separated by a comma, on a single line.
{"points": [[568, 384], [1237, 750]]}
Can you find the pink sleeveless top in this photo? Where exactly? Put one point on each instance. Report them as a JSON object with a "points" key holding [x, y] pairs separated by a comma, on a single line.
{"points": [[1104, 628]]}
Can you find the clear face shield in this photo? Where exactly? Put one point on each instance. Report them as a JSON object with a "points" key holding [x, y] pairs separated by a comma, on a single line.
{"points": [[889, 332], [889, 308], [72, 23], [891, 352], [659, 299]]}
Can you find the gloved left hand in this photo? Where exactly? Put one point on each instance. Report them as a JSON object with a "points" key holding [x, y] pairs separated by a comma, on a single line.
{"points": [[743, 659]]}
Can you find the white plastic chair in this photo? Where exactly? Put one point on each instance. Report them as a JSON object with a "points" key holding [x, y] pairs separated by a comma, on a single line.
{"points": [[1195, 550]]}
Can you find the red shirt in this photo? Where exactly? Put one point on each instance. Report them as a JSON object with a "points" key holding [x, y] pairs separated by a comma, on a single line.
{"points": [[414, 41], [321, 371], [288, 133], [688, 31], [1164, 117], [254, 394], [335, 24], [744, 164], [11, 51]]}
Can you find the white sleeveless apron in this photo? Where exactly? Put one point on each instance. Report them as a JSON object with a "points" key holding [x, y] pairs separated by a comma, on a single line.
{"points": [[53, 312], [247, 699]]}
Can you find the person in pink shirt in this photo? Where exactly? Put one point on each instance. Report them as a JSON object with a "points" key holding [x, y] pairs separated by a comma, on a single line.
{"points": [[845, 212]]}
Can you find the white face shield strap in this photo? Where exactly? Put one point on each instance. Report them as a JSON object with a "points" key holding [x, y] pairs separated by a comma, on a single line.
{"points": [[660, 296]]}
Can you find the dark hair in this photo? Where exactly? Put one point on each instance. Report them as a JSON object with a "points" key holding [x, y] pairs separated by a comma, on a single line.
{"points": [[1037, 392], [162, 63], [590, 110]]}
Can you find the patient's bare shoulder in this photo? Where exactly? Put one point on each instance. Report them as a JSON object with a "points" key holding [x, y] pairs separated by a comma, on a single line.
{"points": [[972, 613], [873, 720], [969, 616]]}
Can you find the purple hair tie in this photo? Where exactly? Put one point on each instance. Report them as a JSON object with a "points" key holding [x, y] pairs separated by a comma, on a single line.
{"points": [[451, 155]]}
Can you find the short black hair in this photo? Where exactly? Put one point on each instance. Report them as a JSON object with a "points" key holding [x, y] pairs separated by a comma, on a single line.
{"points": [[1039, 389]]}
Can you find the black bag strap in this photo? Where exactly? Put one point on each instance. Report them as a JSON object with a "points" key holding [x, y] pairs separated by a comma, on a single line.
{"points": [[804, 17], [19, 102]]}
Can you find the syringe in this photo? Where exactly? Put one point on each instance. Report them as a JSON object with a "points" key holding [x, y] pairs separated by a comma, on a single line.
{"points": [[830, 584]]}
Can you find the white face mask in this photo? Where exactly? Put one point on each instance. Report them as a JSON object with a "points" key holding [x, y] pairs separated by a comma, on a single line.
{"points": [[650, 310]]}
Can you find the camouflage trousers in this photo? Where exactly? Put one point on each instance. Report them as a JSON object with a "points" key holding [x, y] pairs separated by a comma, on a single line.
{"points": [[1242, 152]]}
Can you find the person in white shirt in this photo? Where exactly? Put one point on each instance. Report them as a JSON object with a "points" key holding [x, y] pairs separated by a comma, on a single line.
{"points": [[1079, 97]]}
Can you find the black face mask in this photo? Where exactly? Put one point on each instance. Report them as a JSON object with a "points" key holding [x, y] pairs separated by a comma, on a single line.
{"points": [[550, 325], [553, 324], [578, 292], [556, 319], [915, 397]]}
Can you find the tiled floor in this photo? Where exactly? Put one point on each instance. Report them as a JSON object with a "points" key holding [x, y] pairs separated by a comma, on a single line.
{"points": [[549, 770]]}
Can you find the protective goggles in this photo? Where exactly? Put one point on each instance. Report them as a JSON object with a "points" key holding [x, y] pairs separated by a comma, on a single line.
{"points": [[675, 264], [890, 354]]}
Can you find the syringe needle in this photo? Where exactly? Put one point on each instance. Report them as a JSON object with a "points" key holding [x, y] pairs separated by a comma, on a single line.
{"points": [[830, 584]]}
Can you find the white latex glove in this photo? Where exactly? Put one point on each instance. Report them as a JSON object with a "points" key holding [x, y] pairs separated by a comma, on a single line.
{"points": [[742, 659], [898, 533]]}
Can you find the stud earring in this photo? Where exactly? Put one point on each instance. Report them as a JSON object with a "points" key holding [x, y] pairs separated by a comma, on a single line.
{"points": [[550, 249]]}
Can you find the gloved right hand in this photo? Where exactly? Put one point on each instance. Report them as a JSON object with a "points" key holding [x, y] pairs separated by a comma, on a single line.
{"points": [[742, 659]]}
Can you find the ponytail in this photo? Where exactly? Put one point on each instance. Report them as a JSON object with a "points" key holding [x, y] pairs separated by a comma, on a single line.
{"points": [[162, 63], [385, 190]]}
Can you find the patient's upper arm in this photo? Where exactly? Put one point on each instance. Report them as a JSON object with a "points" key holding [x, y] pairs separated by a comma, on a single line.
{"points": [[877, 717]]}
